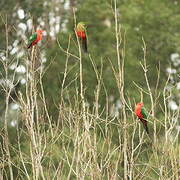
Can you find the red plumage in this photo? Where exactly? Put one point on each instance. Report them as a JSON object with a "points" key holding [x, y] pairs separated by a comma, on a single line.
{"points": [[82, 36], [141, 114]]}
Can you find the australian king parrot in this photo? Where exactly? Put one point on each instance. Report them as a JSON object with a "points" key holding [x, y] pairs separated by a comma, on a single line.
{"points": [[35, 38], [142, 115], [81, 33]]}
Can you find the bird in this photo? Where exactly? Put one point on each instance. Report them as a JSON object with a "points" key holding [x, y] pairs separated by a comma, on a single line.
{"points": [[81, 34], [142, 115], [35, 38]]}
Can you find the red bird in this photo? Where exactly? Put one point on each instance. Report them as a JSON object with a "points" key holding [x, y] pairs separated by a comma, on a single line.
{"points": [[35, 38], [142, 115], [81, 33]]}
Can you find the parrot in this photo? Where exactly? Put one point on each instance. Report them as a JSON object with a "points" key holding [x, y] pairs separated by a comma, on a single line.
{"points": [[35, 38], [81, 33], [142, 115]]}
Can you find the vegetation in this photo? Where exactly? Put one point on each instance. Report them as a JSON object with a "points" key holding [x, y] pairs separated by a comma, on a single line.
{"points": [[66, 114]]}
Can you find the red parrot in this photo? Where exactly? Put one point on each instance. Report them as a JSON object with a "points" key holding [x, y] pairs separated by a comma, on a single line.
{"points": [[142, 115], [81, 33], [35, 38]]}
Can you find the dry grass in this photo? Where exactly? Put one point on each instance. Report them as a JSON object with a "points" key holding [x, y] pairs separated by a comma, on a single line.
{"points": [[87, 143]]}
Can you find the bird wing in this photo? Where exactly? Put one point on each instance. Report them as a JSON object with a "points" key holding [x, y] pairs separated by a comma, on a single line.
{"points": [[143, 112], [32, 38]]}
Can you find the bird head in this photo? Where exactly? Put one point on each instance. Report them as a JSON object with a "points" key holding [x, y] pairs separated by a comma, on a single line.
{"points": [[81, 26], [140, 104], [40, 31]]}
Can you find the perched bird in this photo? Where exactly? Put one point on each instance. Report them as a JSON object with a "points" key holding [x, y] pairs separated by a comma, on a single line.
{"points": [[81, 33], [35, 38], [142, 115]]}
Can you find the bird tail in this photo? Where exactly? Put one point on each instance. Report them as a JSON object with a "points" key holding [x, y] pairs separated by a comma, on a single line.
{"points": [[84, 45], [145, 125], [146, 128], [29, 45]]}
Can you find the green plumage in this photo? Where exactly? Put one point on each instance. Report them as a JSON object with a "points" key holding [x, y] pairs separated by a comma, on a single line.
{"points": [[32, 38], [143, 112]]}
